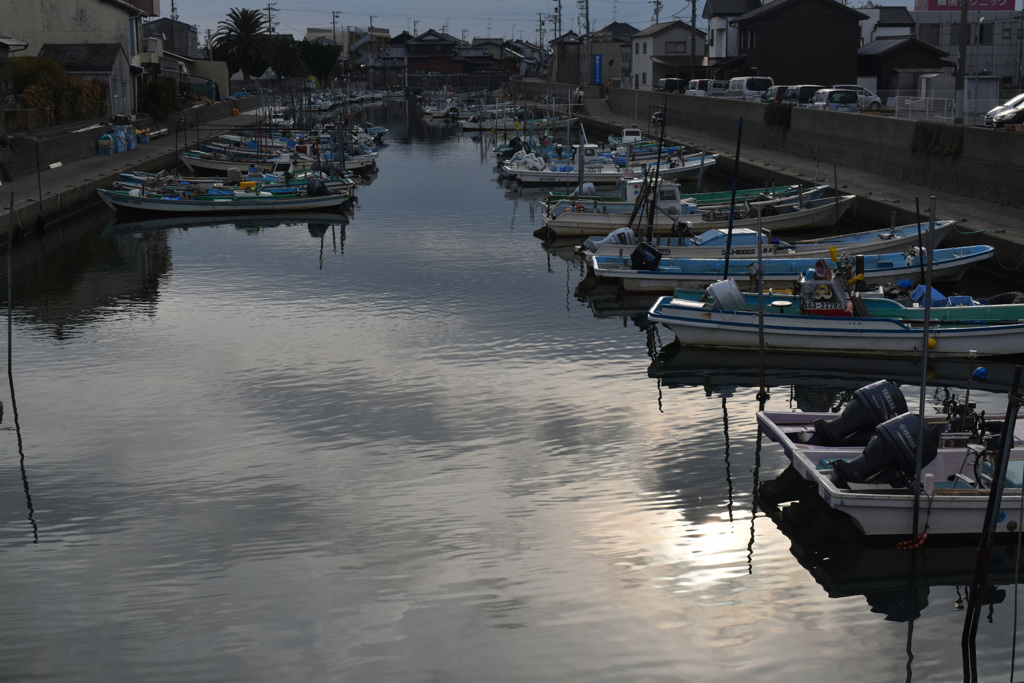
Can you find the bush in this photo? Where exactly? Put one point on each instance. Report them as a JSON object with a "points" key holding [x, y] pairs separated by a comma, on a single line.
{"points": [[161, 98]]}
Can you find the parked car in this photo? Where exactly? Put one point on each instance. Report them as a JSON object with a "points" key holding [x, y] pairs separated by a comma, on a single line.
{"points": [[869, 101], [718, 88], [831, 99], [1012, 115], [774, 93], [800, 95], [705, 87], [1005, 106], [748, 88], [670, 85]]}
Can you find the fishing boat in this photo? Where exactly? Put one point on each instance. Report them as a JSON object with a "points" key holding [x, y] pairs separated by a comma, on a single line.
{"points": [[210, 202], [862, 463], [624, 198], [822, 212], [630, 135], [822, 318], [745, 242]]}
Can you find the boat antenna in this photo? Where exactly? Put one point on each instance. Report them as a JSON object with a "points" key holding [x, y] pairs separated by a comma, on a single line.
{"points": [[919, 536], [732, 201], [657, 174]]}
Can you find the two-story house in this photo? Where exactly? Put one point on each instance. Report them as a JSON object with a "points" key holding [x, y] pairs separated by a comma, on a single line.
{"points": [[799, 41], [434, 51], [664, 50], [610, 47], [95, 23]]}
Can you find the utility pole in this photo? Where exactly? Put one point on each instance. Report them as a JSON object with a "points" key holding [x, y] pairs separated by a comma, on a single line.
{"points": [[693, 39], [373, 54], [209, 53], [271, 7], [540, 28], [657, 9], [961, 65], [174, 10], [558, 18], [334, 27]]}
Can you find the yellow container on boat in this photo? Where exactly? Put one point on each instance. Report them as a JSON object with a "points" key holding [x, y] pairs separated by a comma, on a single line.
{"points": [[248, 184]]}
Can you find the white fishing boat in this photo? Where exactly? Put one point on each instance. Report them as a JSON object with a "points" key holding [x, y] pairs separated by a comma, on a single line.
{"points": [[208, 203], [744, 243], [821, 318], [775, 216], [862, 464]]}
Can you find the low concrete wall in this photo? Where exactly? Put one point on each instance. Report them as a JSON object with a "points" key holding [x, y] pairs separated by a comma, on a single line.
{"points": [[990, 166]]}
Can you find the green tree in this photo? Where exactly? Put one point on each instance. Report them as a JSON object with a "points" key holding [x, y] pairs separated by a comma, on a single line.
{"points": [[244, 38], [322, 60], [286, 58]]}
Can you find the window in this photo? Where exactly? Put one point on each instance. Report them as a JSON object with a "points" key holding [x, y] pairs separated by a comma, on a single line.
{"points": [[637, 46], [643, 77], [1007, 31], [677, 46], [645, 48]]}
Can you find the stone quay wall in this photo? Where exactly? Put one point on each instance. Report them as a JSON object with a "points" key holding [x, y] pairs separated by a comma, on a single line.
{"points": [[989, 165]]}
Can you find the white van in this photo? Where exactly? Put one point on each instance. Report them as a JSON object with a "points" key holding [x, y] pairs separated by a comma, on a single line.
{"points": [[748, 88], [705, 87]]}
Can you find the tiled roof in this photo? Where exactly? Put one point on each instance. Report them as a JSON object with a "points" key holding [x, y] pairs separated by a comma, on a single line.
{"points": [[883, 46], [776, 5], [82, 57], [731, 8], [894, 16], [664, 26]]}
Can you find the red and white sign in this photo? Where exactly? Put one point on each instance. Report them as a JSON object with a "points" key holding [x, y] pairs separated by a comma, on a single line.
{"points": [[972, 5]]}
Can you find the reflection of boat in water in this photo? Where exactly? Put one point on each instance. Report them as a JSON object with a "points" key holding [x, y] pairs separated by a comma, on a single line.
{"points": [[242, 222], [676, 364], [895, 582]]}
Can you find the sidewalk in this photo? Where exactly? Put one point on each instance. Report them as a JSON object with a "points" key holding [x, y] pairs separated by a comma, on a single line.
{"points": [[72, 186]]}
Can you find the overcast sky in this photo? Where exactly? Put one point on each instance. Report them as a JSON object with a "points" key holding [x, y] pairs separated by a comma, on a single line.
{"points": [[462, 18], [477, 18]]}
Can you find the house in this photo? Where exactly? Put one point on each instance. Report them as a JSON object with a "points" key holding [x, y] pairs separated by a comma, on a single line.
{"points": [[9, 44], [799, 41], [104, 61], [611, 49], [435, 51], [566, 52], [723, 35], [177, 36], [669, 49], [885, 22], [889, 64], [93, 22]]}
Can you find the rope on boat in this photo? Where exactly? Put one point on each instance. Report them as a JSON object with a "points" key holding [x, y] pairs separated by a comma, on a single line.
{"points": [[1004, 266]]}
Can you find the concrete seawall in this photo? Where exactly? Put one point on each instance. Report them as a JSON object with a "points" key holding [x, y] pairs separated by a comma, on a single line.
{"points": [[989, 167]]}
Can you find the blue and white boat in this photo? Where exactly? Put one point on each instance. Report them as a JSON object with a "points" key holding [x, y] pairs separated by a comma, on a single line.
{"points": [[665, 275]]}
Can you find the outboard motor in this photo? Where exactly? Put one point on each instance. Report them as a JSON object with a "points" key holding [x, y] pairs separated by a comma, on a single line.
{"points": [[316, 187], [890, 455], [871, 405], [645, 257]]}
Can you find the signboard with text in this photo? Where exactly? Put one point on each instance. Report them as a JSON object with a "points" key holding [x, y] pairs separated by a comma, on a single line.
{"points": [[597, 70], [972, 5]]}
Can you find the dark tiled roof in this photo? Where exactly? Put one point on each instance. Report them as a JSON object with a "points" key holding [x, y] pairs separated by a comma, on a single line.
{"points": [[883, 46], [82, 57], [894, 16], [776, 5], [731, 8], [619, 29], [664, 26]]}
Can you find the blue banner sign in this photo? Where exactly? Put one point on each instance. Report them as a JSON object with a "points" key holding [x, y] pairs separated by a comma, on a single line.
{"points": [[597, 70]]}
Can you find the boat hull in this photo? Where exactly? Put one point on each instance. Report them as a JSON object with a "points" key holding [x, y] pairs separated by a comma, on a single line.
{"points": [[125, 203], [695, 325]]}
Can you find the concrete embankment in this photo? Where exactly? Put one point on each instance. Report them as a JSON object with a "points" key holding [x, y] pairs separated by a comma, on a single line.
{"points": [[58, 175], [976, 175]]}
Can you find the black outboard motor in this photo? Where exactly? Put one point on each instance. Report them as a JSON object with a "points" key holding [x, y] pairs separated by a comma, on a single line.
{"points": [[316, 187], [870, 406], [645, 257], [889, 457]]}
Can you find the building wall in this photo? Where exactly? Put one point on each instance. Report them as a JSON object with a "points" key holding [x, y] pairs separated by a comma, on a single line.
{"points": [[999, 52], [807, 42], [69, 21]]}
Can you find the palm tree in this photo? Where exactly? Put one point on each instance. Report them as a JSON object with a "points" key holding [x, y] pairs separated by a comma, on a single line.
{"points": [[243, 36]]}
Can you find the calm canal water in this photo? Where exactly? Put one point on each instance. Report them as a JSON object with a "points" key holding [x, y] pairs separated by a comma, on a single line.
{"points": [[400, 448]]}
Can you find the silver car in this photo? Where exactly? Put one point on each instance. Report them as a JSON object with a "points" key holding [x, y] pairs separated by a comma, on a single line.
{"points": [[869, 101], [831, 99], [1011, 103]]}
